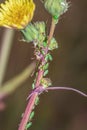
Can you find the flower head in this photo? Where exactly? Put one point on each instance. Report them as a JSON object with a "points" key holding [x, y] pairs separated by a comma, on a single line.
{"points": [[35, 33], [56, 7], [16, 13]]}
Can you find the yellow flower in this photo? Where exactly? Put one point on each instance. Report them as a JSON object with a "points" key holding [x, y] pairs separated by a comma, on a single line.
{"points": [[16, 13]]}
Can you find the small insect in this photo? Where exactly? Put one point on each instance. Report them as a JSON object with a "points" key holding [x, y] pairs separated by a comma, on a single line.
{"points": [[28, 125], [46, 82]]}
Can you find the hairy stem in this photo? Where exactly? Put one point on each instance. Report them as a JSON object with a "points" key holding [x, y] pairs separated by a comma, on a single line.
{"points": [[27, 112], [31, 102]]}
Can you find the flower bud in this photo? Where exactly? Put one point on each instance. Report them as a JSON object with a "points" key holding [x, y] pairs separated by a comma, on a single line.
{"points": [[56, 7], [34, 32], [40, 26], [30, 33]]}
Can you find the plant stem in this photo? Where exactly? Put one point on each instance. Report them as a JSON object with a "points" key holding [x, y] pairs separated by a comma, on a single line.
{"points": [[39, 77], [27, 112], [31, 102], [41, 89], [5, 52], [52, 29], [67, 88], [11, 85]]}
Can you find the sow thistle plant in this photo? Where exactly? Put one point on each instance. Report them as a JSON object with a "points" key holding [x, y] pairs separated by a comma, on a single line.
{"points": [[17, 14]]}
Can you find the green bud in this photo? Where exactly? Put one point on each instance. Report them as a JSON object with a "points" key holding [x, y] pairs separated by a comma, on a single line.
{"points": [[40, 26], [56, 7], [34, 32], [53, 44], [30, 33]]}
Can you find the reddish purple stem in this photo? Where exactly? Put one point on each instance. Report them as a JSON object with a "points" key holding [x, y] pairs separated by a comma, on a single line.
{"points": [[41, 89], [67, 88], [27, 112]]}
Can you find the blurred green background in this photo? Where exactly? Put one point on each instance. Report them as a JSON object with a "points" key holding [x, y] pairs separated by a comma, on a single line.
{"points": [[57, 110]]}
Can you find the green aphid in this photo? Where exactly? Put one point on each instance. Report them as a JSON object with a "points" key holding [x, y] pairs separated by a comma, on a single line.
{"points": [[45, 44], [34, 80], [42, 51], [45, 67], [48, 57], [28, 125], [37, 101], [22, 115], [33, 85], [46, 72], [46, 82], [36, 74], [31, 115], [41, 67]]}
